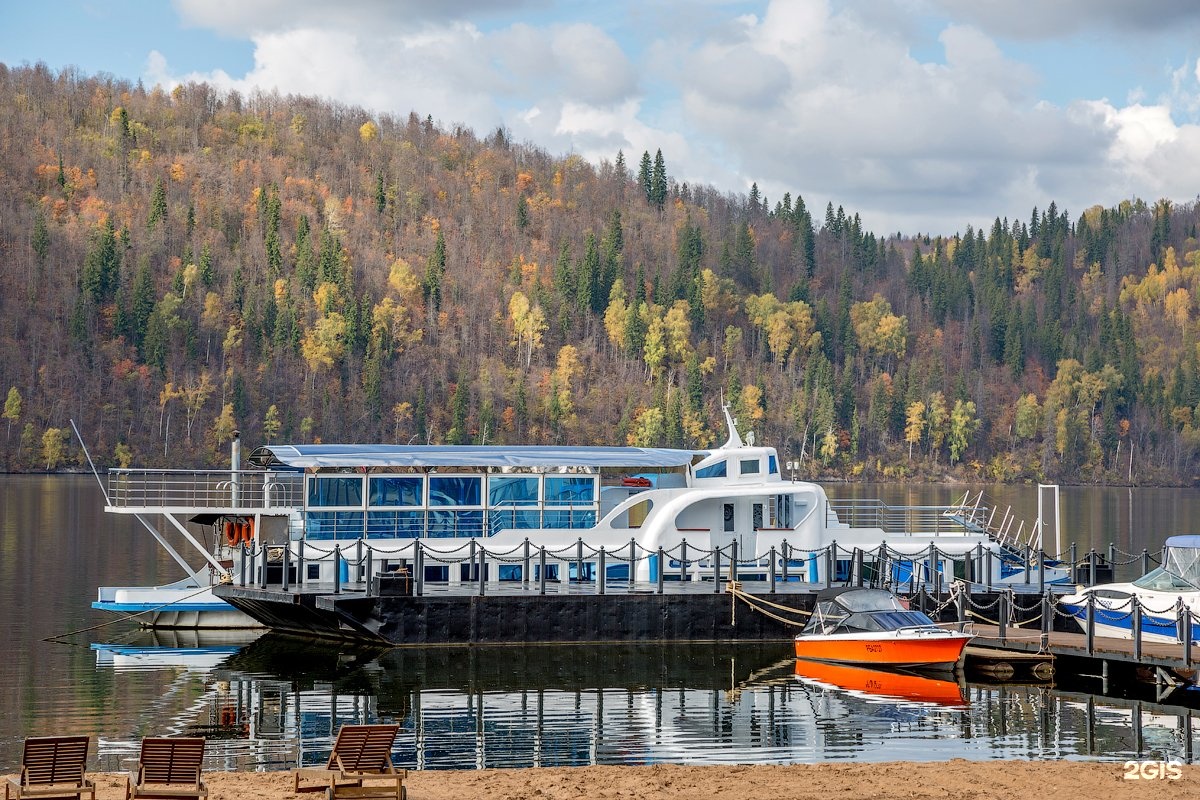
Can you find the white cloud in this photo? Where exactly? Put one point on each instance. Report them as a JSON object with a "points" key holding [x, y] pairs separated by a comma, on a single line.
{"points": [[809, 97], [1052, 19]]}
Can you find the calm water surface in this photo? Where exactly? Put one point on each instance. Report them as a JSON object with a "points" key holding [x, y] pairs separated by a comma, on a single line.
{"points": [[270, 702]]}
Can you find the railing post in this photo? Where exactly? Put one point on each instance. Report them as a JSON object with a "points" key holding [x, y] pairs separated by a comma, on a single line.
{"points": [[1041, 570], [541, 569], [1092, 567], [771, 571], [369, 569], [786, 557], [934, 576], [482, 570], [662, 568], [300, 561], [1091, 624], [337, 569], [1074, 560], [1026, 557], [976, 566], [242, 576], [960, 604], [1112, 553], [601, 572], [1183, 627], [683, 570], [1145, 561], [287, 552], [579, 560], [831, 562], [525, 564], [733, 560], [632, 559], [1135, 609], [471, 560], [987, 570], [1047, 611], [262, 576], [1003, 616], [716, 568], [358, 559], [418, 569]]}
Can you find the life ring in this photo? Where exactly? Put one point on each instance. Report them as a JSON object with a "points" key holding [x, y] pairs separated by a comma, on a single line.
{"points": [[248, 531], [232, 534]]}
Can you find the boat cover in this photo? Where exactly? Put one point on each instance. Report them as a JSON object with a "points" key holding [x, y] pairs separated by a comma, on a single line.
{"points": [[388, 455]]}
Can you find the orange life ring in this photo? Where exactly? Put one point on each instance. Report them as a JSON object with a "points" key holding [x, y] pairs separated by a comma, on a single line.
{"points": [[232, 534], [248, 531]]}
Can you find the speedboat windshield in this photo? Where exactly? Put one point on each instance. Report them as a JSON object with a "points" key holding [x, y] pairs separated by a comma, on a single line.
{"points": [[1163, 579], [869, 600]]}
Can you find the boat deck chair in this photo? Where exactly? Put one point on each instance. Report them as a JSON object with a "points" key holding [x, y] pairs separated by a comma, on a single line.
{"points": [[168, 768], [52, 766], [360, 766]]}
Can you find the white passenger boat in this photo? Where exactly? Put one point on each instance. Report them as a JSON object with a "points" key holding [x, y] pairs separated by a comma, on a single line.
{"points": [[1160, 594], [684, 513]]}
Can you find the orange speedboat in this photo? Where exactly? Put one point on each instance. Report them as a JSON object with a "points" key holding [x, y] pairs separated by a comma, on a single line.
{"points": [[871, 626], [880, 684]]}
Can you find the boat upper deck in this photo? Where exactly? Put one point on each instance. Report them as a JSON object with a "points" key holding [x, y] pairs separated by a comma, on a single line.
{"points": [[133, 491]]}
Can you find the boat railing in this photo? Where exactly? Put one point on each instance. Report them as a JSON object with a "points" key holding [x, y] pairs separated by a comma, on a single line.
{"points": [[147, 488], [936, 520]]}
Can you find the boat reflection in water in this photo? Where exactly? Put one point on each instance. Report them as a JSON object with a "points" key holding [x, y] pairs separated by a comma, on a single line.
{"points": [[879, 685], [277, 702], [166, 648]]}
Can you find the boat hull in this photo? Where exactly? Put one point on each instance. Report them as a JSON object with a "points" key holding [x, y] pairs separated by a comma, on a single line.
{"points": [[1118, 624], [173, 608], [940, 649]]}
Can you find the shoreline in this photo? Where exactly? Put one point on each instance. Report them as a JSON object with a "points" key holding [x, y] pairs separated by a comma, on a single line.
{"points": [[958, 779]]}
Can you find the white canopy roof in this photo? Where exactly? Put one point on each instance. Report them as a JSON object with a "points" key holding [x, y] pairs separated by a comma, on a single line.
{"points": [[387, 455]]}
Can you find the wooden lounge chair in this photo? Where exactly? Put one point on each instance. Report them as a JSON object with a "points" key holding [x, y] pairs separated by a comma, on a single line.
{"points": [[168, 768], [52, 766], [360, 766]]}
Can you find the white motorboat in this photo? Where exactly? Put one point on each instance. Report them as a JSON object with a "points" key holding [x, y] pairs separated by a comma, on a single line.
{"points": [[1168, 598]]}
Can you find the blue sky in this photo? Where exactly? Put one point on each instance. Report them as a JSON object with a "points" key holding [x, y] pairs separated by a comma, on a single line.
{"points": [[921, 115]]}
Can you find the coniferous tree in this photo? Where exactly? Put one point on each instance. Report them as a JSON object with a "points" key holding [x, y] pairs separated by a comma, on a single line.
{"points": [[658, 182]]}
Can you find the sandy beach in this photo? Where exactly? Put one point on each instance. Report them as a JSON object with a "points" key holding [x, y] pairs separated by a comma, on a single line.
{"points": [[953, 780]]}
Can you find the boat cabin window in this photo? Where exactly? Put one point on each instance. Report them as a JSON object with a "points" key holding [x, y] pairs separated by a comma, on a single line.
{"points": [[749, 466], [772, 465], [335, 491], [570, 501], [455, 490], [717, 470], [397, 491]]}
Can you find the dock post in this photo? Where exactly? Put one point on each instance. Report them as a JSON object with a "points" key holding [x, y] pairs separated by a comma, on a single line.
{"points": [[1074, 561], [337, 569], [632, 560], [242, 576], [960, 605], [1092, 567], [482, 570], [1091, 624], [418, 569], [262, 550], [1135, 610], [525, 565], [300, 562], [1047, 613], [1041, 568], [601, 572], [1183, 629], [579, 560], [786, 558], [287, 552], [369, 569], [716, 568], [358, 559], [683, 576], [542, 569], [1112, 555], [1145, 561], [933, 569], [831, 563], [733, 560], [1026, 556], [1003, 615], [662, 568], [771, 571]]}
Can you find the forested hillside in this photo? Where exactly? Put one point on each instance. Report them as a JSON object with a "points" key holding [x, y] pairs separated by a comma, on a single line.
{"points": [[175, 266]]}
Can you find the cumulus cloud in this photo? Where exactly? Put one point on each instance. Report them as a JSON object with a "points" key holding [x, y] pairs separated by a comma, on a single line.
{"points": [[806, 97], [1039, 19]]}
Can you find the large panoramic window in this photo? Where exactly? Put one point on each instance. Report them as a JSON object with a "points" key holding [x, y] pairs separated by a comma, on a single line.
{"points": [[513, 502], [397, 491], [335, 491], [569, 501], [712, 471], [455, 490]]}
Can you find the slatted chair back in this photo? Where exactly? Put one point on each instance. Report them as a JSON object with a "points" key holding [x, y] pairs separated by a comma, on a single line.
{"points": [[54, 759], [363, 748], [171, 759]]}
